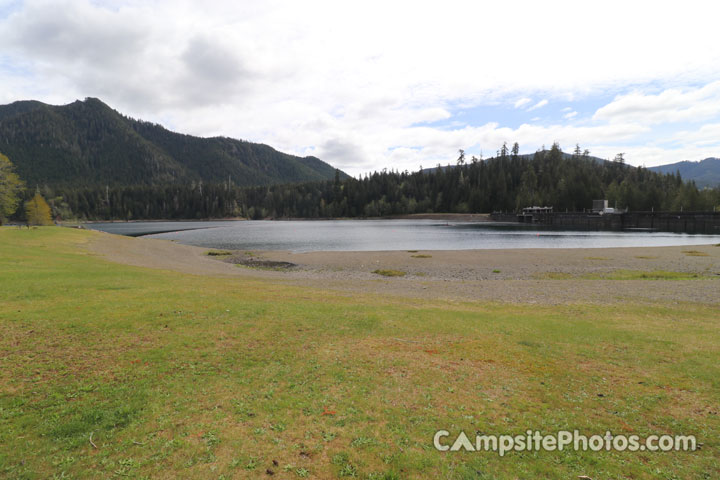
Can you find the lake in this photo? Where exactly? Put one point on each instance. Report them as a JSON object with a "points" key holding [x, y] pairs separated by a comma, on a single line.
{"points": [[373, 235]]}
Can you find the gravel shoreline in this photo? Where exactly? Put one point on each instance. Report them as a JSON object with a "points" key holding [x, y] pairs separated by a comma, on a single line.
{"points": [[545, 276]]}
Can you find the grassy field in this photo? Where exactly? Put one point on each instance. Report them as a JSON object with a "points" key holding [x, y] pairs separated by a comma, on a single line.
{"points": [[109, 371]]}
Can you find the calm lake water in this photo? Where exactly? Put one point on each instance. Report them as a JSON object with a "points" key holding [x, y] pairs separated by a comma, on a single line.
{"points": [[370, 235]]}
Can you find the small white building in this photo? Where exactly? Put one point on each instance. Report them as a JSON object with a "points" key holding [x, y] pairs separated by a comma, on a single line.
{"points": [[601, 207]]}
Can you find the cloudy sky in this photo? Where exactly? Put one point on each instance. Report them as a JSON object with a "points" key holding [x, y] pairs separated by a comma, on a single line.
{"points": [[372, 84]]}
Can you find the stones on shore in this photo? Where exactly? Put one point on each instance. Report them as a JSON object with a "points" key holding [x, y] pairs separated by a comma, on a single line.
{"points": [[249, 259], [253, 262]]}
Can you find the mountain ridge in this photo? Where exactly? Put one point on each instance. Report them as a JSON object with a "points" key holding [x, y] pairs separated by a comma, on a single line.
{"points": [[705, 173], [86, 143]]}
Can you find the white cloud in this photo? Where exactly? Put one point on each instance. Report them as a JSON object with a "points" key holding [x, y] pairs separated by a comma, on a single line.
{"points": [[357, 83], [706, 136], [671, 105], [521, 102], [539, 104], [346, 151], [570, 115]]}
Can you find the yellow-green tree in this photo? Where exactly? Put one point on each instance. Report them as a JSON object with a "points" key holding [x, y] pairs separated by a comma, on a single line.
{"points": [[38, 211], [10, 188]]}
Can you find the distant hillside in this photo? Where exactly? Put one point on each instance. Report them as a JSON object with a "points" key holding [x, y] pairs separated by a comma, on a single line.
{"points": [[524, 157], [86, 143], [705, 173]]}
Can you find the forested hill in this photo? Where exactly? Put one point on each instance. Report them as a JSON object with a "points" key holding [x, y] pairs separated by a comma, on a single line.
{"points": [[88, 144], [506, 183], [522, 157], [705, 173]]}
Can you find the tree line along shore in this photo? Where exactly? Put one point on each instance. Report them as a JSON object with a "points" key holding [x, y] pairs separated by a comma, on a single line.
{"points": [[507, 182]]}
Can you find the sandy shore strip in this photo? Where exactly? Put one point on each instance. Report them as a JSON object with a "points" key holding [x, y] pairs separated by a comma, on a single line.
{"points": [[547, 276]]}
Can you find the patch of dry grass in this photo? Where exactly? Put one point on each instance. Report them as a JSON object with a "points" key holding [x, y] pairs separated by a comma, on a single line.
{"points": [[218, 253], [389, 272], [695, 253], [641, 275]]}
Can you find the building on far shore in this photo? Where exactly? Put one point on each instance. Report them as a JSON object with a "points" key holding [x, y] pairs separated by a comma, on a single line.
{"points": [[533, 214], [601, 207]]}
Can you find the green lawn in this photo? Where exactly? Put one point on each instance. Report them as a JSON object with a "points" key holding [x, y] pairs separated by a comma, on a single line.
{"points": [[181, 376]]}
